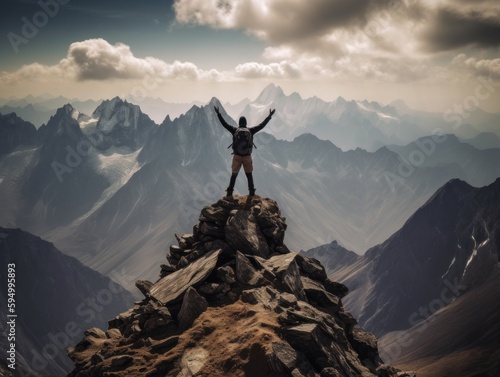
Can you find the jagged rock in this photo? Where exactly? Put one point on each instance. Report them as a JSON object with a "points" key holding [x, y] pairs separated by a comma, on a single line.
{"points": [[113, 334], [283, 249], [95, 332], [337, 289], [315, 291], [285, 355], [144, 286], [193, 362], [243, 234], [312, 268], [192, 306], [226, 274], [287, 273], [265, 296], [214, 214], [287, 300], [177, 251], [365, 344], [212, 230], [166, 270], [183, 262], [246, 273], [213, 288], [171, 287]]}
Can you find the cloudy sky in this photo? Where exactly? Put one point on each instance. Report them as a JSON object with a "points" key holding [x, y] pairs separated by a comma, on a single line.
{"points": [[434, 54]]}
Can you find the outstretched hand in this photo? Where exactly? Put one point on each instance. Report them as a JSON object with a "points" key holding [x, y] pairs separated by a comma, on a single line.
{"points": [[216, 108], [271, 112]]}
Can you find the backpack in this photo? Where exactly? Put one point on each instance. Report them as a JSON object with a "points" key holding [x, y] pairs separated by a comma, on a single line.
{"points": [[242, 142]]}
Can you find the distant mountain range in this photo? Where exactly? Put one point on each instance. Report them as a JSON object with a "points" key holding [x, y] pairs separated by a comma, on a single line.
{"points": [[39, 109], [112, 188], [363, 124], [56, 299], [347, 124]]}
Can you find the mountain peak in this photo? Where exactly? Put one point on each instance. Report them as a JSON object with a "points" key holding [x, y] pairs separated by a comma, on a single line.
{"points": [[109, 106], [269, 94], [122, 124], [70, 111], [214, 101], [401, 107], [234, 270], [453, 188]]}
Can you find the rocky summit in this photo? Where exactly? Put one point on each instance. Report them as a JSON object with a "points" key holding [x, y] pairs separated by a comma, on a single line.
{"points": [[234, 301]]}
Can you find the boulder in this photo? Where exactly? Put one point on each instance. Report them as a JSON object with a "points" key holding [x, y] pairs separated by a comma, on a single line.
{"points": [[246, 273], [95, 333], [286, 270], [243, 234], [172, 287], [316, 292], [214, 214], [226, 274], [212, 230], [144, 286]]}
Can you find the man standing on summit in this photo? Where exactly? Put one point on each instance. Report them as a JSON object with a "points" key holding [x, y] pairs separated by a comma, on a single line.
{"points": [[242, 148]]}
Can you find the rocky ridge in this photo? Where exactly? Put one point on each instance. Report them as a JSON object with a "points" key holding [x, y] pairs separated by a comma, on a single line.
{"points": [[234, 300]]}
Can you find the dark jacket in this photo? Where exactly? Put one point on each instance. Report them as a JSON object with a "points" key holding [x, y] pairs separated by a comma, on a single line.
{"points": [[233, 129]]}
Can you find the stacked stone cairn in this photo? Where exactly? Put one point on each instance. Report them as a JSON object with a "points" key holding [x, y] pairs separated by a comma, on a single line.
{"points": [[287, 317]]}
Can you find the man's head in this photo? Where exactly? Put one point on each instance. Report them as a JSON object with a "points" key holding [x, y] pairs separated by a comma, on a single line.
{"points": [[242, 122]]}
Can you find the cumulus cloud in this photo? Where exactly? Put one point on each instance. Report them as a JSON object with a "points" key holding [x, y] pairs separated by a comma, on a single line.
{"points": [[479, 67], [284, 69], [97, 59]]}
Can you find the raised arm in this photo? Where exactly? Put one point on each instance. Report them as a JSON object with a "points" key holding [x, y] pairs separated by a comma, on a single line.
{"points": [[256, 129], [222, 121]]}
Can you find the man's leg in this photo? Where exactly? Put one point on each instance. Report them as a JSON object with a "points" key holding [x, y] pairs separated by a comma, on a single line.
{"points": [[232, 182], [251, 187], [248, 167], [235, 169]]}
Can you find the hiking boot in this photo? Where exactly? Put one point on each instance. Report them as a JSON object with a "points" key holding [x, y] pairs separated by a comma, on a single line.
{"points": [[251, 192], [229, 192]]}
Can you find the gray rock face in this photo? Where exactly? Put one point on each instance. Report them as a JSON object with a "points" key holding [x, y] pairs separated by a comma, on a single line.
{"points": [[248, 307], [171, 287], [243, 234]]}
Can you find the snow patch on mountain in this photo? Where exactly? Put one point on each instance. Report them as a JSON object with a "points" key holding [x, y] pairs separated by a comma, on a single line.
{"points": [[117, 162]]}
